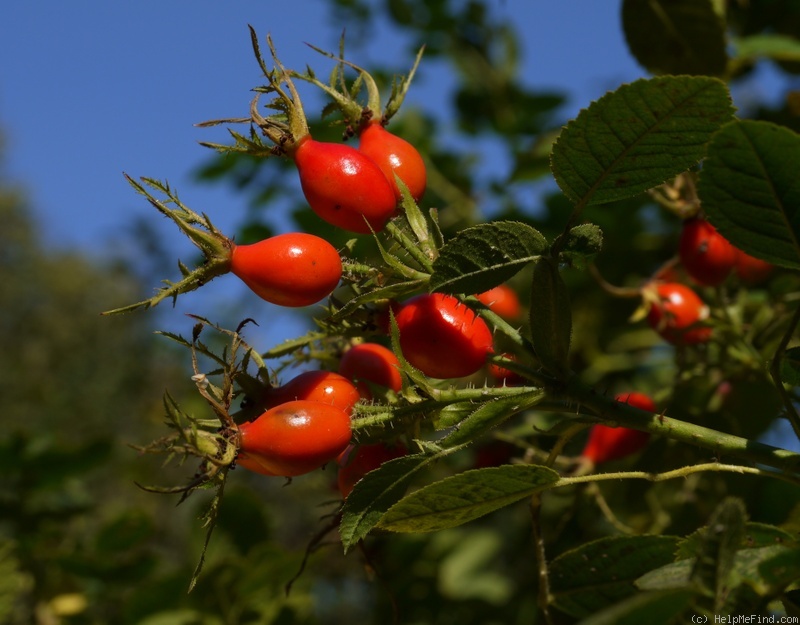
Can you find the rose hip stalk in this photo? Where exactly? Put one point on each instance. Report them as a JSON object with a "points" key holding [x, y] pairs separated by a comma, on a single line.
{"points": [[342, 185], [394, 155]]}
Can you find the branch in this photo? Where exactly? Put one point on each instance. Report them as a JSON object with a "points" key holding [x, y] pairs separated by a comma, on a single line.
{"points": [[589, 401]]}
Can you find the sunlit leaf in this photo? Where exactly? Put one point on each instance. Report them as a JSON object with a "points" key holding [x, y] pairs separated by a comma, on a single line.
{"points": [[638, 136], [373, 495], [484, 256], [466, 496]]}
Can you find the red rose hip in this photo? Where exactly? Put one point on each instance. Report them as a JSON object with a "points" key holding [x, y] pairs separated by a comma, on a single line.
{"points": [[293, 269], [442, 337]]}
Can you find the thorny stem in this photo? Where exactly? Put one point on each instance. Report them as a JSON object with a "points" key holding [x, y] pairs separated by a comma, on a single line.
{"points": [[588, 401], [775, 371]]}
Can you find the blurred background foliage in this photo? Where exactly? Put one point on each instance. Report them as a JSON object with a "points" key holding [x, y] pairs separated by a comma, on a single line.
{"points": [[80, 544]]}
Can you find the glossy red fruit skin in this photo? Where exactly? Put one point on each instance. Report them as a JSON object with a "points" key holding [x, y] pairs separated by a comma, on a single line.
{"points": [[706, 255], [326, 387], [293, 269], [356, 462], [503, 301], [246, 462], [294, 438], [613, 443], [442, 337], [344, 186], [394, 155], [752, 270], [371, 362], [677, 310]]}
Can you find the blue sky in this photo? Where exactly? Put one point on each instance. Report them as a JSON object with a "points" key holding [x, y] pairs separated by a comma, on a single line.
{"points": [[89, 90]]}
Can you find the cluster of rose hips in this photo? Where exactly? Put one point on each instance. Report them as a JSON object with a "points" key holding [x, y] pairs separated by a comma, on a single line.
{"points": [[676, 312], [306, 422]]}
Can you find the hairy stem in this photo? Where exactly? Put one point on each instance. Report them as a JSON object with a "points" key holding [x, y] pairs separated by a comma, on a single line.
{"points": [[673, 474]]}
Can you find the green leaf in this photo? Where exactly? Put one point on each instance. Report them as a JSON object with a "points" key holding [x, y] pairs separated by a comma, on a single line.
{"points": [[771, 46], [717, 551], [670, 576], [768, 570], [484, 256], [675, 36], [489, 415], [750, 189], [374, 494], [601, 573], [584, 242], [638, 136], [755, 535], [755, 576], [790, 366], [466, 496], [550, 317], [452, 414], [642, 608]]}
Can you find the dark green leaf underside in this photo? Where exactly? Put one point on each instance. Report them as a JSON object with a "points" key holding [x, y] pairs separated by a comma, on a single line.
{"points": [[642, 608], [675, 36], [750, 189], [601, 573], [550, 317]]}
